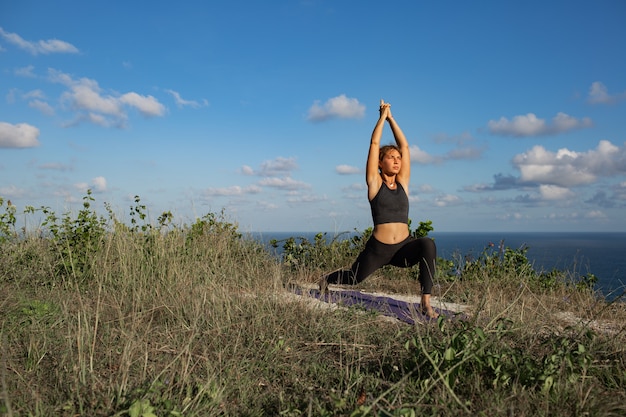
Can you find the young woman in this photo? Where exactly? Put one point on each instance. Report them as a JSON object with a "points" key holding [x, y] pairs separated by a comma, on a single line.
{"points": [[387, 175]]}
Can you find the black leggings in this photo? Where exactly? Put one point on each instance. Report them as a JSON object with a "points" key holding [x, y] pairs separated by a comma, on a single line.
{"points": [[411, 251]]}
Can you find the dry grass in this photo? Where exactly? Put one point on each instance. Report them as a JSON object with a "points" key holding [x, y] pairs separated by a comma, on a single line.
{"points": [[178, 327]]}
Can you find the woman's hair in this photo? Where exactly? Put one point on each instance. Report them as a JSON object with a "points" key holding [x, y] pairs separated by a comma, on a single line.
{"points": [[384, 150]]}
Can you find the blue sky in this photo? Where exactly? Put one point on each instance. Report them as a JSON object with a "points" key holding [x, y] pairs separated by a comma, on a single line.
{"points": [[515, 111]]}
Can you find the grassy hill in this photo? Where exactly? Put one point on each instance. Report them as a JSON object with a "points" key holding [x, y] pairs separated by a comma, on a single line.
{"points": [[103, 318]]}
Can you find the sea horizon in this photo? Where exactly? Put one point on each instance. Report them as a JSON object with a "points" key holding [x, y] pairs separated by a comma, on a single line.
{"points": [[580, 253]]}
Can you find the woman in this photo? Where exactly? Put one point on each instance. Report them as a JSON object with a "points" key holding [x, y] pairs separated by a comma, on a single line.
{"points": [[387, 175]]}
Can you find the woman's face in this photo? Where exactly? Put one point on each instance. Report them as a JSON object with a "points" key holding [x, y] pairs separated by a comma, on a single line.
{"points": [[391, 162]]}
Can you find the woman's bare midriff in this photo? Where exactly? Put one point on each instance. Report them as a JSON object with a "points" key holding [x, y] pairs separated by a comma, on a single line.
{"points": [[391, 233]]}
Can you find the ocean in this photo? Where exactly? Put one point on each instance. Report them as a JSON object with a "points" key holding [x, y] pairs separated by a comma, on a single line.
{"points": [[602, 254]]}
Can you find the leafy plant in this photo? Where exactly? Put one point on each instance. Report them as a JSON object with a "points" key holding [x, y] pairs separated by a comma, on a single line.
{"points": [[76, 240], [7, 221], [464, 350], [422, 229], [299, 252]]}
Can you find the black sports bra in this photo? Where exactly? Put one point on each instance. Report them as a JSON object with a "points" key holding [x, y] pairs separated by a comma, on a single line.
{"points": [[390, 206]]}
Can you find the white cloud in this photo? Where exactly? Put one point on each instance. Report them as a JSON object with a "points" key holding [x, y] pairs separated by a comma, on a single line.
{"points": [[337, 107], [418, 155], [446, 200], [85, 97], [21, 135], [554, 192], [34, 94], [596, 214], [425, 188], [277, 166], [180, 102], [531, 125], [516, 216], [247, 170], [79, 186], [26, 71], [566, 168], [50, 46], [99, 184], [234, 190], [305, 198], [147, 105], [356, 186], [599, 94], [266, 205], [12, 191], [286, 183], [42, 106], [347, 170]]}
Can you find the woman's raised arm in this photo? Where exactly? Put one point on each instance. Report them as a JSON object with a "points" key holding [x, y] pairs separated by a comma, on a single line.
{"points": [[404, 175], [372, 177]]}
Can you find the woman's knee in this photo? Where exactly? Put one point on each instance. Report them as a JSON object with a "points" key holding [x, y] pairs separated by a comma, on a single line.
{"points": [[427, 247]]}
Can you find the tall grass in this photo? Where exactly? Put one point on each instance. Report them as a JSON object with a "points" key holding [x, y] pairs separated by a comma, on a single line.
{"points": [[99, 318]]}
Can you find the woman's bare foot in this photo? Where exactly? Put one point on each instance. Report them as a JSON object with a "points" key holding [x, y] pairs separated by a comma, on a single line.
{"points": [[430, 312], [323, 285], [427, 308]]}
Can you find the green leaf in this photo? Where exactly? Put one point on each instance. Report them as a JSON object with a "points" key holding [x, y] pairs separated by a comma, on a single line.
{"points": [[449, 355]]}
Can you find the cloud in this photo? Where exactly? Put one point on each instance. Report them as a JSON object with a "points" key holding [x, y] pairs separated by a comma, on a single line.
{"points": [[234, 190], [599, 94], [501, 182], [620, 191], [286, 183], [50, 46], [34, 94], [567, 168], [425, 189], [12, 191], [602, 199], [26, 71], [531, 125], [446, 200], [35, 100], [147, 105], [340, 107], [247, 170], [85, 97], [56, 166], [180, 102], [617, 198], [464, 153], [356, 186], [42, 106], [347, 170], [21, 135], [554, 192], [596, 215], [422, 157], [266, 205], [99, 184], [305, 199], [277, 166], [459, 153]]}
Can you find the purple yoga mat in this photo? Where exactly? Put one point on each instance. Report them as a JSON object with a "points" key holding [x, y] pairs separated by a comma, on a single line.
{"points": [[401, 310]]}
